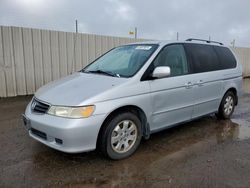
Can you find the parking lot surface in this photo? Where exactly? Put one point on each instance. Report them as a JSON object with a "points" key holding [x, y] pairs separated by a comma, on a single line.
{"points": [[203, 153]]}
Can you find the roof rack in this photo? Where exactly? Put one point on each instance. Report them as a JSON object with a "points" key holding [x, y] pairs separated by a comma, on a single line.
{"points": [[207, 41]]}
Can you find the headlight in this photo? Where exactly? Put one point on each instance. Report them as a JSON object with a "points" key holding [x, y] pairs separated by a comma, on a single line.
{"points": [[71, 112]]}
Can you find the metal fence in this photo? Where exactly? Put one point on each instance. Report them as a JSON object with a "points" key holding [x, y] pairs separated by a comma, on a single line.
{"points": [[30, 58], [243, 55]]}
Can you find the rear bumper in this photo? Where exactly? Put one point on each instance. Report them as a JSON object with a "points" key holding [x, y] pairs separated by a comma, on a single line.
{"points": [[64, 134]]}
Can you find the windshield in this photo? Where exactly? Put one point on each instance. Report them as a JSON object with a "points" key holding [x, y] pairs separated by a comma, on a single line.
{"points": [[123, 61]]}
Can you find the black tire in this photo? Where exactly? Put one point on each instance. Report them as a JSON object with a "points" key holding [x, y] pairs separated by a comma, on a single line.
{"points": [[221, 112], [106, 134]]}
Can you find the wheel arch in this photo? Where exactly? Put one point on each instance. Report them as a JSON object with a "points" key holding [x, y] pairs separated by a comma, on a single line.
{"points": [[128, 108], [234, 90]]}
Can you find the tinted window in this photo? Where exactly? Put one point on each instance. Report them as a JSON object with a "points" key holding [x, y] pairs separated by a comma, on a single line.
{"points": [[203, 58], [226, 57], [174, 57]]}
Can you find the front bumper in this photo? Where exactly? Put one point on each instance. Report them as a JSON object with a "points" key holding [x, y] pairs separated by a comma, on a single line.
{"points": [[64, 134]]}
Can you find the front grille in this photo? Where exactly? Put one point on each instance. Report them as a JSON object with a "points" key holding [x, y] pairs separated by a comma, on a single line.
{"points": [[39, 107], [39, 133]]}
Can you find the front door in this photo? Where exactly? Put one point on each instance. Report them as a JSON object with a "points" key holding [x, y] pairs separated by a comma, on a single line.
{"points": [[172, 97]]}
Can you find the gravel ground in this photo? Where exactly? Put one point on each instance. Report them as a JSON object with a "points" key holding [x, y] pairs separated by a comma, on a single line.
{"points": [[203, 153]]}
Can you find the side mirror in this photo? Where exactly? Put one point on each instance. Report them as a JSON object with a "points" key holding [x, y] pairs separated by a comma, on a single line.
{"points": [[161, 72]]}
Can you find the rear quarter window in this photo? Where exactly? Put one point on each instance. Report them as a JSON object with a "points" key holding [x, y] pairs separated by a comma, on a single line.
{"points": [[226, 57], [202, 58]]}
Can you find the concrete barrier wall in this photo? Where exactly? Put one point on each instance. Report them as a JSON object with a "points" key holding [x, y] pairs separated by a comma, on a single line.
{"points": [[30, 58]]}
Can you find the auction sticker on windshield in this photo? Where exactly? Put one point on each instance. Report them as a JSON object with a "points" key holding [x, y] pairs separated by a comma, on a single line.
{"points": [[143, 47]]}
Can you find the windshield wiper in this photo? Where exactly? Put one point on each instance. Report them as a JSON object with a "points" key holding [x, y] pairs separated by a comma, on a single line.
{"points": [[103, 72]]}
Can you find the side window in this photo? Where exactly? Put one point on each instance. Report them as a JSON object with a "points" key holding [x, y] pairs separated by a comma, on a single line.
{"points": [[226, 57], [203, 58], [174, 57]]}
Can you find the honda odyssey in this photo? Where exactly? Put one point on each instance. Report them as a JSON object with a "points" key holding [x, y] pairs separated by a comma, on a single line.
{"points": [[133, 91]]}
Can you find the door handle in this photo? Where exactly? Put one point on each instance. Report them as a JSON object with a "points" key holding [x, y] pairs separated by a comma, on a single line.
{"points": [[200, 83], [189, 85]]}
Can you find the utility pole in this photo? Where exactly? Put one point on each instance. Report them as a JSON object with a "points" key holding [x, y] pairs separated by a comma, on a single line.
{"points": [[209, 38], [76, 26], [74, 54], [233, 43], [177, 36], [135, 32]]}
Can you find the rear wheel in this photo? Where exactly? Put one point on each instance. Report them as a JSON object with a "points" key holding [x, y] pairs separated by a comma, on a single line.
{"points": [[227, 105], [121, 136]]}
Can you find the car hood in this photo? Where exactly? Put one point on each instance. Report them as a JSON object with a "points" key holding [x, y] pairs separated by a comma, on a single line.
{"points": [[74, 89]]}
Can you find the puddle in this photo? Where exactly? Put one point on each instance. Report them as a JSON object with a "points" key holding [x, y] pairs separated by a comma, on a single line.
{"points": [[243, 130]]}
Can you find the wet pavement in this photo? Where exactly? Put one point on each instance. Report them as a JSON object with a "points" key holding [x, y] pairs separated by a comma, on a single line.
{"points": [[203, 153]]}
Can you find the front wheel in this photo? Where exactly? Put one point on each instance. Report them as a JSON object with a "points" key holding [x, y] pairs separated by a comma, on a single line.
{"points": [[121, 136], [227, 105]]}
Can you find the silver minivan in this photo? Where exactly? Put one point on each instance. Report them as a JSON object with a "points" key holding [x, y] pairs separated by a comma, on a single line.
{"points": [[133, 91]]}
